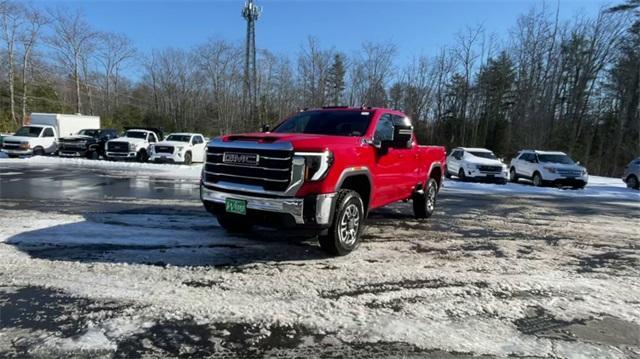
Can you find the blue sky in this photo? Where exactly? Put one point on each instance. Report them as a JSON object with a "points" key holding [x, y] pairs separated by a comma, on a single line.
{"points": [[416, 27]]}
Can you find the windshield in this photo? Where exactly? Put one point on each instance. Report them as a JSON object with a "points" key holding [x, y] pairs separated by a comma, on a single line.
{"points": [[483, 154], [563, 159], [178, 138], [29, 131], [335, 123], [92, 133], [135, 134]]}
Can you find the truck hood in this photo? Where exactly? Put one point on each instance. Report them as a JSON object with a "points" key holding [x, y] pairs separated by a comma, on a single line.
{"points": [[300, 141], [137, 141], [76, 137], [19, 138], [172, 143]]}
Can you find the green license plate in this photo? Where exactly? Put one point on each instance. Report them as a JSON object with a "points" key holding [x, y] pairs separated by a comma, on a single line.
{"points": [[236, 206]]}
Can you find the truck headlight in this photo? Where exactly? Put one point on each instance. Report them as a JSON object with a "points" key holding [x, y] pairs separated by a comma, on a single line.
{"points": [[316, 164], [25, 145], [584, 171], [550, 169], [132, 147], [152, 148], [180, 148]]}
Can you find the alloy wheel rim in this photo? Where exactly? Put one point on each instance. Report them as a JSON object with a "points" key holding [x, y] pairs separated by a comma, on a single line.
{"points": [[349, 225], [431, 199]]}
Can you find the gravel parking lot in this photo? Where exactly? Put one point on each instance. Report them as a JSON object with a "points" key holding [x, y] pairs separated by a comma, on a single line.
{"points": [[97, 262]]}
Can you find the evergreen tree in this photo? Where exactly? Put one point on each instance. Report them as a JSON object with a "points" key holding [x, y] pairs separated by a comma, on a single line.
{"points": [[336, 80]]}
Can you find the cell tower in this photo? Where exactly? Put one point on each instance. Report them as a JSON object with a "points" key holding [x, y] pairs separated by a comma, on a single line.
{"points": [[250, 13]]}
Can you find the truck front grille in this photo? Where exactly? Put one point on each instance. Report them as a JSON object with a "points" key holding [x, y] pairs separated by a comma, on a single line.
{"points": [[117, 147], [570, 173], [490, 168], [72, 145], [163, 149], [11, 145], [272, 170]]}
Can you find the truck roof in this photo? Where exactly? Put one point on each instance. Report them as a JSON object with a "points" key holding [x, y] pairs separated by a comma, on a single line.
{"points": [[474, 149]]}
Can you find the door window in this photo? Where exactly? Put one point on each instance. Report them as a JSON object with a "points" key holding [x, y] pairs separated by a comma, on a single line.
{"points": [[384, 129], [152, 138], [48, 132]]}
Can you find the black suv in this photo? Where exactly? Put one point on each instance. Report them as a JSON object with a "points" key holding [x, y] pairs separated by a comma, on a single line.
{"points": [[87, 143]]}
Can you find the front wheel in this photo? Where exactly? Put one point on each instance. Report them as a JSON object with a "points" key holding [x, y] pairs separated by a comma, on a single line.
{"points": [[537, 180], [513, 176], [424, 204], [142, 156], [446, 173], [38, 151], [187, 158], [461, 175], [348, 220], [632, 182]]}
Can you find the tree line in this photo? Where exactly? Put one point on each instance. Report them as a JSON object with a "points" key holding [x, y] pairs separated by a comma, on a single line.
{"points": [[549, 84]]}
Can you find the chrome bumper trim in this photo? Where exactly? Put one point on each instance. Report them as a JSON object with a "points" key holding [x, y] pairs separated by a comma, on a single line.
{"points": [[288, 205]]}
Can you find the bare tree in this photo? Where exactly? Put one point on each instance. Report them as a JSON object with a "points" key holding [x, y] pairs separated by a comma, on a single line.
{"points": [[73, 39], [11, 19], [113, 53], [35, 20]]}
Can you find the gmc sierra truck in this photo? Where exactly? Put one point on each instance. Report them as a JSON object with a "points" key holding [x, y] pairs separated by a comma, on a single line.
{"points": [[323, 170]]}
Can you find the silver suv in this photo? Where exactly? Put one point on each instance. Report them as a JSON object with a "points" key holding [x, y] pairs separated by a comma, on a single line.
{"points": [[632, 174]]}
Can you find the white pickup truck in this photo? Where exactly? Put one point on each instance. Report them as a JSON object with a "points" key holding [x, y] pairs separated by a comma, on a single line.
{"points": [[133, 145], [41, 136], [179, 148]]}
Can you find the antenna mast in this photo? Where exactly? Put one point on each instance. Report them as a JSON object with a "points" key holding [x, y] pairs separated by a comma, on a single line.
{"points": [[250, 13]]}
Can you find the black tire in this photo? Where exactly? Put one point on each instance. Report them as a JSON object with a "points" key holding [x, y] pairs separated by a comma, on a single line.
{"points": [[632, 182], [93, 155], [461, 175], [513, 176], [424, 204], [187, 158], [446, 173], [578, 186], [348, 220], [142, 156], [38, 151], [233, 223], [537, 179]]}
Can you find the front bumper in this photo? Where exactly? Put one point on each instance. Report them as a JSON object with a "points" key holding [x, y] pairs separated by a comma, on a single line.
{"points": [[560, 180], [311, 211], [125, 155], [72, 153], [487, 176], [15, 152], [166, 157]]}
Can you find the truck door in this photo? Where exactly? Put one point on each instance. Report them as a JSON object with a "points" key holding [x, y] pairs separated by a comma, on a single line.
{"points": [[394, 168], [49, 140]]}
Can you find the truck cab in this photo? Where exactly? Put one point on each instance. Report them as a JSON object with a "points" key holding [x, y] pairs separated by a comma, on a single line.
{"points": [[35, 140], [321, 169]]}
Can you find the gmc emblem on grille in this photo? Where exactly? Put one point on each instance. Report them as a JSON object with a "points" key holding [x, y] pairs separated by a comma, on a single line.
{"points": [[249, 159]]}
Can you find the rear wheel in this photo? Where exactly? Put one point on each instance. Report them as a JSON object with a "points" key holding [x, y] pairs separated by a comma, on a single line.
{"points": [[537, 180], [424, 204], [513, 176], [348, 220], [233, 223], [632, 182]]}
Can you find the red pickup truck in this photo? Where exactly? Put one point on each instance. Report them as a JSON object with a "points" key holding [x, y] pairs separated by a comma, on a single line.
{"points": [[321, 169]]}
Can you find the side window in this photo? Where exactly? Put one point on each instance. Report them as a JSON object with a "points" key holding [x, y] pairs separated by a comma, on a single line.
{"points": [[384, 129], [201, 139], [48, 132]]}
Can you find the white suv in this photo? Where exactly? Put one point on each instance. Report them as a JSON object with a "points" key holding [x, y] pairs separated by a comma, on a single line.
{"points": [[179, 147], [545, 167], [476, 163]]}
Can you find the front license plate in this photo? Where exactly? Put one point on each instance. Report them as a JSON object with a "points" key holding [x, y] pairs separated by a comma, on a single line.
{"points": [[236, 206]]}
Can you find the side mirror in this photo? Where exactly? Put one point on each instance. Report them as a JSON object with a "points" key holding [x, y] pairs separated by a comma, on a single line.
{"points": [[264, 128]]}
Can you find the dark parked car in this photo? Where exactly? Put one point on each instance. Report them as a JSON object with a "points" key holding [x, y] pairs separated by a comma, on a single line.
{"points": [[87, 143]]}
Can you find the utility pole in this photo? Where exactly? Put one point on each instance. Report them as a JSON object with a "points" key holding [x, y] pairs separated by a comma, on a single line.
{"points": [[250, 13]]}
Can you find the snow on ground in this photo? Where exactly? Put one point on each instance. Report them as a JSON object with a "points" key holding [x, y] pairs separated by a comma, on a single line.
{"points": [[134, 168], [517, 274], [605, 187]]}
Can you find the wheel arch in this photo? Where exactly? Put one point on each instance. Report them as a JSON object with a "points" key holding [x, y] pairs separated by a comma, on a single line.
{"points": [[358, 180]]}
